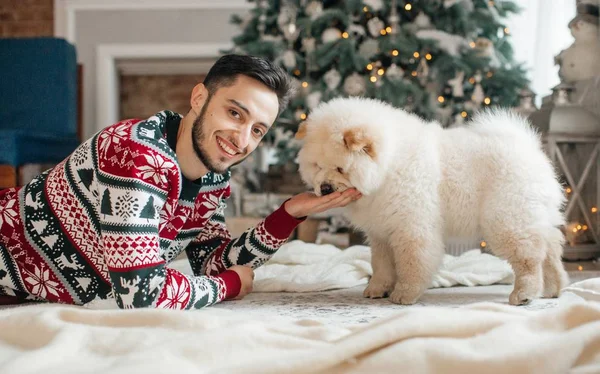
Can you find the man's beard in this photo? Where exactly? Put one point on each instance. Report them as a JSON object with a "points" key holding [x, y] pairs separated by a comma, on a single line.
{"points": [[198, 138]]}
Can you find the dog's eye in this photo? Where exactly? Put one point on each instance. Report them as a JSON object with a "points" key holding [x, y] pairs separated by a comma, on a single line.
{"points": [[340, 170]]}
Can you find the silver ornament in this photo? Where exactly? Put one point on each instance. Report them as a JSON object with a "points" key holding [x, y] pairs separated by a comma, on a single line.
{"points": [[355, 85], [332, 79], [368, 48], [375, 25], [330, 35]]}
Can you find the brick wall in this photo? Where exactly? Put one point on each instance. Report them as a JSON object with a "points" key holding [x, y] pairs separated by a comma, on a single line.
{"points": [[144, 95], [25, 18]]}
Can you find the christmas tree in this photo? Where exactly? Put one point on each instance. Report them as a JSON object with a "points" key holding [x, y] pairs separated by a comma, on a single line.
{"points": [[441, 59]]}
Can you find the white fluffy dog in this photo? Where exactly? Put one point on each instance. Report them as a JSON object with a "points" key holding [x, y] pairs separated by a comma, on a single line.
{"points": [[421, 183]]}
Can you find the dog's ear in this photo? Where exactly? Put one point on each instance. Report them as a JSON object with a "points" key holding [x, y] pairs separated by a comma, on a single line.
{"points": [[301, 133], [357, 141]]}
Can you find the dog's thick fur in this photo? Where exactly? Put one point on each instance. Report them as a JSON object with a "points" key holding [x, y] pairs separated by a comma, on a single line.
{"points": [[422, 183]]}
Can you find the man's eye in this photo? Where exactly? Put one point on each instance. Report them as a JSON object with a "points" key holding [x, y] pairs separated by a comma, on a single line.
{"points": [[258, 131], [235, 113]]}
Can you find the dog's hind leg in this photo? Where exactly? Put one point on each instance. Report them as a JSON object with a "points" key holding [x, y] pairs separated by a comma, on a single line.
{"points": [[384, 274], [525, 250], [555, 276]]}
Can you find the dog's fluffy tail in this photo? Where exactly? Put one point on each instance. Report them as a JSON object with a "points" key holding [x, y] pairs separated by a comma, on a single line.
{"points": [[502, 121]]}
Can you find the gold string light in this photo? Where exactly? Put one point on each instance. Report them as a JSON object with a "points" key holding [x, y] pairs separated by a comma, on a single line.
{"points": [[487, 101], [463, 114], [388, 29], [414, 73], [594, 209], [305, 84], [408, 7], [506, 31], [472, 80], [568, 190], [365, 9], [373, 79], [395, 52], [296, 72], [345, 35], [370, 67], [483, 244], [428, 56], [383, 32], [472, 44], [441, 99], [416, 54], [380, 71], [303, 116], [489, 74]]}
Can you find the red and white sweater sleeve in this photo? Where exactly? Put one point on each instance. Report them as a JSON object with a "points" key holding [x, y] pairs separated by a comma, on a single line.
{"points": [[214, 250]]}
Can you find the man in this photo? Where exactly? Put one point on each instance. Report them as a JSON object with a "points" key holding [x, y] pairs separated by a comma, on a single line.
{"points": [[108, 219]]}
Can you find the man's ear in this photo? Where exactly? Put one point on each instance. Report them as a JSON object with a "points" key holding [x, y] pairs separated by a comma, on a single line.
{"points": [[301, 133], [198, 98], [356, 140]]}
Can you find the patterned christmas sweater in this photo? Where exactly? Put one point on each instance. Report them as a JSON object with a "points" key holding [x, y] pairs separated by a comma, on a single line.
{"points": [[107, 220]]}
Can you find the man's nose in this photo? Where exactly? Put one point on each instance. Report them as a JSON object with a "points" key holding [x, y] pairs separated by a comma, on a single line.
{"points": [[242, 138]]}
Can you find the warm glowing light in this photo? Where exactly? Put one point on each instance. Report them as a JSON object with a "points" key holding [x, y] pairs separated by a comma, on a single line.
{"points": [[383, 32], [373, 79], [345, 35], [395, 52], [568, 190], [370, 67], [408, 7], [428, 56], [380, 71], [580, 268], [579, 227], [472, 44], [296, 72], [487, 101], [304, 84], [489, 74], [416, 54], [584, 228], [574, 229], [441, 99], [303, 116], [506, 31], [414, 73], [483, 244], [472, 80], [388, 29], [463, 114], [365, 9], [594, 209]]}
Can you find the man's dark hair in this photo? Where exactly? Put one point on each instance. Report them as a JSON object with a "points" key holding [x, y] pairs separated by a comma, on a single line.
{"points": [[227, 68]]}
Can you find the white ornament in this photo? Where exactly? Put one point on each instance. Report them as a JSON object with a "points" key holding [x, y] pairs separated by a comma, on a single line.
{"points": [[485, 48], [356, 30], [422, 21], [308, 45], [478, 94], [457, 84], [332, 79], [375, 25], [368, 48], [374, 5], [450, 43], [330, 35], [314, 9], [289, 59], [313, 100], [355, 85], [394, 72]]}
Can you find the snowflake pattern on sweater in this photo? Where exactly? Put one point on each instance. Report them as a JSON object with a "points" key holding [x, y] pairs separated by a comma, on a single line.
{"points": [[107, 220]]}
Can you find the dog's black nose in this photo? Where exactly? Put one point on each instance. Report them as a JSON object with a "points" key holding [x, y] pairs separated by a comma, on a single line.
{"points": [[326, 189]]}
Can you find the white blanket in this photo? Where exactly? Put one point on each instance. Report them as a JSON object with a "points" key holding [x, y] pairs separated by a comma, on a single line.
{"points": [[480, 338], [305, 267]]}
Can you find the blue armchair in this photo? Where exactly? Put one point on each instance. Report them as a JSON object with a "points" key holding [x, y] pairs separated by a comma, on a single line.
{"points": [[38, 101]]}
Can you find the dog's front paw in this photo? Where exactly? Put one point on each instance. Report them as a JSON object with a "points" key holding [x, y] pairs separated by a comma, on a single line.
{"points": [[377, 290], [405, 294]]}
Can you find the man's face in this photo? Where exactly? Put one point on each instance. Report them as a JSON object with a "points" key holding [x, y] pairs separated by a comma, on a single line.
{"points": [[232, 123]]}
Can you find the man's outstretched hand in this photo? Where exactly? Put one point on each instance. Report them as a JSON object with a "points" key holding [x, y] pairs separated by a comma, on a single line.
{"points": [[307, 203]]}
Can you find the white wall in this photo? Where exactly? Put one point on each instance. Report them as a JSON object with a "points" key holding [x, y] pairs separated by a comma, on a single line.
{"points": [[95, 27]]}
